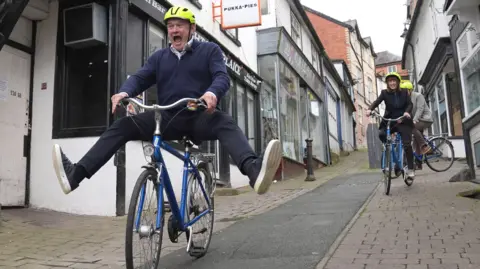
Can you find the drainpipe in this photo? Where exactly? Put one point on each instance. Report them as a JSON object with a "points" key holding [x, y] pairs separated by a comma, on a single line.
{"points": [[414, 64]]}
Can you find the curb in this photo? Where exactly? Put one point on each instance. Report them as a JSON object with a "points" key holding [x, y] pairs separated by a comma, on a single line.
{"points": [[336, 243]]}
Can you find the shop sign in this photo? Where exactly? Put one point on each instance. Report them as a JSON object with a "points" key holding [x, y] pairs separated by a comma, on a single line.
{"points": [[152, 8], [235, 67], [298, 62]]}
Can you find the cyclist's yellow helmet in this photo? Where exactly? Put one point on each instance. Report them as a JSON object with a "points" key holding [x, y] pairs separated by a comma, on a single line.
{"points": [[406, 84], [393, 74], [179, 12]]}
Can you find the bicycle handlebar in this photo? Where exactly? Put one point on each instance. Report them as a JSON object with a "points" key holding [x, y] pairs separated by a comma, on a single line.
{"points": [[198, 102], [373, 113]]}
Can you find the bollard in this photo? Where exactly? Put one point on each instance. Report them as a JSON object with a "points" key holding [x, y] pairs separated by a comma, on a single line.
{"points": [[310, 175]]}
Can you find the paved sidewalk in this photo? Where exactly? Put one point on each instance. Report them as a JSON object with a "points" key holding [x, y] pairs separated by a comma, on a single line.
{"points": [[425, 226], [45, 239]]}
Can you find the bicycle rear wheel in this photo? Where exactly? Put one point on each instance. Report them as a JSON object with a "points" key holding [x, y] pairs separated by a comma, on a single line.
{"points": [[442, 148], [387, 175], [146, 226], [202, 229]]}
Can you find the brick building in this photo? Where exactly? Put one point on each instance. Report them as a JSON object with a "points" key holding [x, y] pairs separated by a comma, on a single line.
{"points": [[342, 40], [388, 62]]}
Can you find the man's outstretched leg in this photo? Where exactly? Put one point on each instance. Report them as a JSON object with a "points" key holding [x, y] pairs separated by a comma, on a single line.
{"points": [[139, 127], [259, 169]]}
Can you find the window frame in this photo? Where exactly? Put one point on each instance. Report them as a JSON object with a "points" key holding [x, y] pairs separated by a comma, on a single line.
{"points": [[462, 63], [293, 18], [390, 67], [60, 92], [232, 37]]}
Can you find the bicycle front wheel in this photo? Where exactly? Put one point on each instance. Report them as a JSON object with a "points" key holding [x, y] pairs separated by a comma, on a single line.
{"points": [[442, 156], [141, 223], [387, 175], [202, 229]]}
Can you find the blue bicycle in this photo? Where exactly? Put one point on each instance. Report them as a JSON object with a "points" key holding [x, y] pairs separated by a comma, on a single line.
{"points": [[392, 156], [196, 206]]}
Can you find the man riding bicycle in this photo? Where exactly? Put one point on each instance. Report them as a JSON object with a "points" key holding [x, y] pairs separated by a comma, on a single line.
{"points": [[186, 69], [422, 118], [397, 104]]}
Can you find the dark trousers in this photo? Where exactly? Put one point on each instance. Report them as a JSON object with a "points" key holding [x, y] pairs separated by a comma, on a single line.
{"points": [[405, 130], [198, 126]]}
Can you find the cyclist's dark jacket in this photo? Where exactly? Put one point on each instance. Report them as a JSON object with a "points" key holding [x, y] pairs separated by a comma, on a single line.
{"points": [[396, 103], [199, 70]]}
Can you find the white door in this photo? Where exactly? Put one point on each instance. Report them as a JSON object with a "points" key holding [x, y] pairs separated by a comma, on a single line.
{"points": [[14, 95]]}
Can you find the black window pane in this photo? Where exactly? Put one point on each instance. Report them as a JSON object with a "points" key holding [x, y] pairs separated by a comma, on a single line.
{"points": [[86, 87], [134, 44]]}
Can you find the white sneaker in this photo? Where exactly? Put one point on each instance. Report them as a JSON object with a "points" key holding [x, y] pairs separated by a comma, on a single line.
{"points": [[270, 162], [411, 174]]}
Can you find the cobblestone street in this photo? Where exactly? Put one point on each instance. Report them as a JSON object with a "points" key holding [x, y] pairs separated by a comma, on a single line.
{"points": [[44, 239], [426, 226]]}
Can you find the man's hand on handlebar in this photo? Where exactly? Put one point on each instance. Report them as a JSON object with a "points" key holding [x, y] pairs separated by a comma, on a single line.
{"points": [[211, 101], [116, 100], [369, 113]]}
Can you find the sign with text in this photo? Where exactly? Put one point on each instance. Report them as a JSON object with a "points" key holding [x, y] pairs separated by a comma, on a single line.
{"points": [[240, 13], [297, 60], [152, 8]]}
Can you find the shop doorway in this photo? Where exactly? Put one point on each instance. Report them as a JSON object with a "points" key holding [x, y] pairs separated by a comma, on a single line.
{"points": [[14, 125]]}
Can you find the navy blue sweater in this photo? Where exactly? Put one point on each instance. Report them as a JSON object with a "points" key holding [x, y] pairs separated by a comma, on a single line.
{"points": [[199, 70]]}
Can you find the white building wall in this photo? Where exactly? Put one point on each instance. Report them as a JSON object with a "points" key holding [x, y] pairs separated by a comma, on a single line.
{"points": [[430, 26], [96, 196]]}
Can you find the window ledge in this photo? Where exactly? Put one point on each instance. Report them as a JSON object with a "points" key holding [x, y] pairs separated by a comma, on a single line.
{"points": [[196, 3]]}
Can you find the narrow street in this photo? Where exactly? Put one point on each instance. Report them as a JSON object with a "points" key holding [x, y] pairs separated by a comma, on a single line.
{"points": [[335, 222], [44, 239]]}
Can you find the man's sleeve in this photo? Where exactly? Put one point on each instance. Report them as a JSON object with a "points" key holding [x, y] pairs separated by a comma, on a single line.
{"points": [[409, 105], [218, 70], [143, 78], [420, 107]]}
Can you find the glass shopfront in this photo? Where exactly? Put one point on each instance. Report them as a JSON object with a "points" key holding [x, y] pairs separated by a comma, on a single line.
{"points": [[299, 110]]}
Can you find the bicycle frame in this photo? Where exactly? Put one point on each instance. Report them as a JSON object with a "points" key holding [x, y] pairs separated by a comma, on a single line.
{"points": [[422, 157], [163, 182], [396, 154]]}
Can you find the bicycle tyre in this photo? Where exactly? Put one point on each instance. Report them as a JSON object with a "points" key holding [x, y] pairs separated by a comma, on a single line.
{"points": [[387, 177], [449, 144], [199, 252], [129, 233]]}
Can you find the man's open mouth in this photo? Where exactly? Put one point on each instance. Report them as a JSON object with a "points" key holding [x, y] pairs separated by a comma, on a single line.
{"points": [[177, 38]]}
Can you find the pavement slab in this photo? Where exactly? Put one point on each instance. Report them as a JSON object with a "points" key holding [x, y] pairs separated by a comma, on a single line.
{"points": [[424, 226]]}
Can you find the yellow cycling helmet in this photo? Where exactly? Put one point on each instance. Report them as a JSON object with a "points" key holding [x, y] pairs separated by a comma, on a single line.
{"points": [[179, 12], [406, 84], [393, 74]]}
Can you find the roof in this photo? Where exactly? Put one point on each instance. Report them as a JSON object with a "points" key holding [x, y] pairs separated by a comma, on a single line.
{"points": [[351, 25], [410, 30], [370, 43], [386, 57]]}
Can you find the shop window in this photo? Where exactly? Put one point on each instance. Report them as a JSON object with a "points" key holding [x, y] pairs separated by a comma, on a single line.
{"points": [[156, 41], [81, 88], [264, 7], [454, 104], [469, 55], [241, 108], [269, 113], [296, 30], [251, 126], [289, 107], [316, 127], [304, 119], [432, 97], [442, 107]]}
